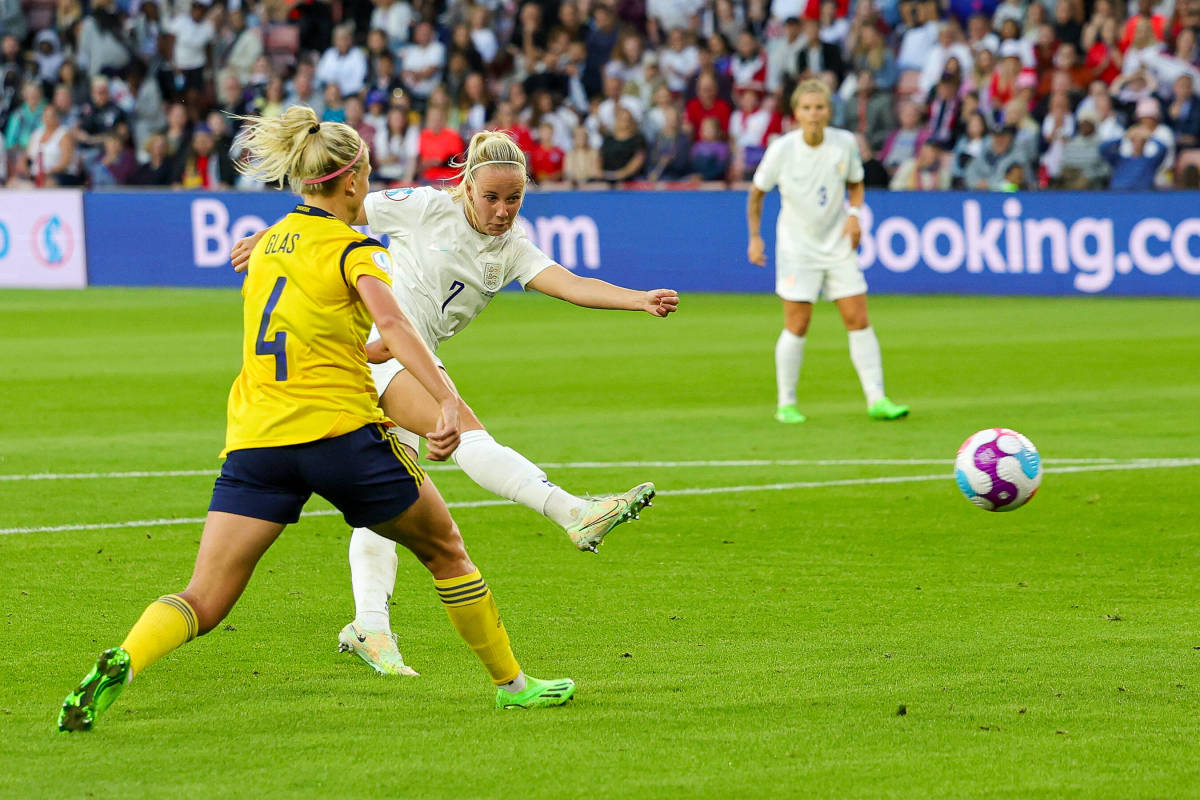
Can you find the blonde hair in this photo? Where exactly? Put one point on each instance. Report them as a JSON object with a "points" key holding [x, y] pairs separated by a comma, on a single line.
{"points": [[297, 148], [486, 148], [812, 86]]}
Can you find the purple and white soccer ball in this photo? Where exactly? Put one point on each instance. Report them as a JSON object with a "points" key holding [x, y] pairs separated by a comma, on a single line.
{"points": [[998, 469]]}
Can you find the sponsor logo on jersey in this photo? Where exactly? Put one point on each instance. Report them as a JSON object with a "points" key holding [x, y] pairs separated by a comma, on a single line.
{"points": [[397, 194], [493, 275]]}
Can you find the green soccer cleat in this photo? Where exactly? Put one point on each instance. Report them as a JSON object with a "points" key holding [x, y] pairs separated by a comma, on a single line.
{"points": [[789, 415], [537, 694], [886, 409], [603, 514], [376, 648], [97, 691]]}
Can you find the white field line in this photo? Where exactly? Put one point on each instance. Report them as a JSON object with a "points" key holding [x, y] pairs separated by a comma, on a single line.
{"points": [[797, 462], [1162, 463]]}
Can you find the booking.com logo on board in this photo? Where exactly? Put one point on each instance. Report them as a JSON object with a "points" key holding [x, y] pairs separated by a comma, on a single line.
{"points": [[1090, 249]]}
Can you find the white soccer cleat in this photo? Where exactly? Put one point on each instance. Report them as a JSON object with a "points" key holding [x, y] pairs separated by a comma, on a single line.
{"points": [[376, 648], [602, 514]]}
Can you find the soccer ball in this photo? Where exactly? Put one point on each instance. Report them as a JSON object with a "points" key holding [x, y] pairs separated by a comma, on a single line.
{"points": [[998, 469]]}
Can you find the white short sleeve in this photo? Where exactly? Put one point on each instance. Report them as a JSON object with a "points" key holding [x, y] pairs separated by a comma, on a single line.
{"points": [[525, 261], [396, 212], [854, 172], [766, 176]]}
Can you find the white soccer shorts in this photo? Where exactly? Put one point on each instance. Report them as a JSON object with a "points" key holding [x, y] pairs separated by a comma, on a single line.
{"points": [[383, 374], [804, 283]]}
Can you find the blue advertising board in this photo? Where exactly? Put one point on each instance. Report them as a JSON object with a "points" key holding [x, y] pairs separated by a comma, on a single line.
{"points": [[964, 243]]}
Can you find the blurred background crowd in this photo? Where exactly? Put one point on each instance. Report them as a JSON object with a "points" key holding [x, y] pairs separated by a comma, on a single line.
{"points": [[968, 94]]}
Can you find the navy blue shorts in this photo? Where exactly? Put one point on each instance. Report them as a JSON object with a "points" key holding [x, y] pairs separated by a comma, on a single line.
{"points": [[366, 474]]}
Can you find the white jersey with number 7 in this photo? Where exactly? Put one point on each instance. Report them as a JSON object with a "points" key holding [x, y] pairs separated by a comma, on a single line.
{"points": [[446, 272]]}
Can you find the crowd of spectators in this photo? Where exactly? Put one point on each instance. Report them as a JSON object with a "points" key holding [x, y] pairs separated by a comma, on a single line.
{"points": [[969, 94]]}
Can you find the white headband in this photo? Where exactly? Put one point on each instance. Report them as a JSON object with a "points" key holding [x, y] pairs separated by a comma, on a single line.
{"points": [[485, 163]]}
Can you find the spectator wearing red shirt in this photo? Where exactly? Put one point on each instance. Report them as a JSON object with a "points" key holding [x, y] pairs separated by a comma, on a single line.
{"points": [[437, 147], [1145, 11], [506, 120], [707, 104], [546, 160], [1104, 56]]}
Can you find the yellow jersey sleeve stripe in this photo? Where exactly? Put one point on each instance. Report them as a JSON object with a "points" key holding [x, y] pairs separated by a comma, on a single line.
{"points": [[350, 248]]}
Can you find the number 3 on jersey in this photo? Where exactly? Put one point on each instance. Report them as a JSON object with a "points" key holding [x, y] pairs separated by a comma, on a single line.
{"points": [[455, 288], [276, 346], [822, 196]]}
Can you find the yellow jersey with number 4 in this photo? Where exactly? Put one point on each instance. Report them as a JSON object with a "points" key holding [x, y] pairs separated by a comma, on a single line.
{"points": [[304, 364]]}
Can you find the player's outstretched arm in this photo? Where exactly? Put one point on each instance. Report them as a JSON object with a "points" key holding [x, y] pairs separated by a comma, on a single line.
{"points": [[560, 282], [403, 342], [756, 252]]}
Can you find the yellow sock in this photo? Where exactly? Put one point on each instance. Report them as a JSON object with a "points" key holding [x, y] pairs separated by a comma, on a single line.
{"points": [[166, 623], [473, 613]]}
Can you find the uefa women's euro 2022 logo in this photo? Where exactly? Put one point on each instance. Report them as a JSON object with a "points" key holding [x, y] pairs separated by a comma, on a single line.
{"points": [[52, 241]]}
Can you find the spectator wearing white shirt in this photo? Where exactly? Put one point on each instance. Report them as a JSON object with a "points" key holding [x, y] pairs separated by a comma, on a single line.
{"points": [[949, 45], [667, 15], [240, 46], [482, 35], [393, 17], [919, 40], [784, 10], [614, 98], [679, 61], [422, 62], [749, 62], [343, 64], [194, 35], [783, 53]]}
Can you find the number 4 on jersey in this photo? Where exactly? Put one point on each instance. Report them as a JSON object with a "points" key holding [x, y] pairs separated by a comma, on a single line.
{"points": [[276, 346]]}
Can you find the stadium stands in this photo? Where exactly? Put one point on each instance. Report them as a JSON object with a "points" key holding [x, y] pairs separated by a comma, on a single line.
{"points": [[1034, 71]]}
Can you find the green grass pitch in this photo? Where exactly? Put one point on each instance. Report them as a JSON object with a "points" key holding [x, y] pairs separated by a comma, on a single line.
{"points": [[831, 637]]}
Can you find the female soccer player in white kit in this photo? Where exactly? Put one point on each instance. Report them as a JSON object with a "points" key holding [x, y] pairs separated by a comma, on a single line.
{"points": [[453, 251], [815, 244]]}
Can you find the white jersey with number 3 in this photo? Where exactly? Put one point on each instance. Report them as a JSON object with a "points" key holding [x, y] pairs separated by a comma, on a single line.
{"points": [[446, 272], [812, 187]]}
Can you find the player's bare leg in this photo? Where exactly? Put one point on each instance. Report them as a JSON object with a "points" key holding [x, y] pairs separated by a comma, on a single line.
{"points": [[867, 360], [789, 357]]}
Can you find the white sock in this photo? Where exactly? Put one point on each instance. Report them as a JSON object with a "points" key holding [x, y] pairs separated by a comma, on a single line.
{"points": [[864, 354], [373, 576], [789, 356], [503, 471], [517, 684]]}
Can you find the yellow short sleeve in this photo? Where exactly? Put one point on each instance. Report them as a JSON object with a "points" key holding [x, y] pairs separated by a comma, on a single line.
{"points": [[367, 257]]}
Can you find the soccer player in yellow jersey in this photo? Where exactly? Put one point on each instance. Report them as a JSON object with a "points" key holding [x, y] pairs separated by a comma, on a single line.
{"points": [[304, 417]]}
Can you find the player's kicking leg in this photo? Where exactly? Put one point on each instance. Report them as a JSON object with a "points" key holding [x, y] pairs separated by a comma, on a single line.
{"points": [[505, 472]]}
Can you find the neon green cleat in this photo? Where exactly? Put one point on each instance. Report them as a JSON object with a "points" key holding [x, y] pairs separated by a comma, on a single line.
{"points": [[603, 514], [537, 694], [376, 648], [789, 415], [96, 692], [886, 409]]}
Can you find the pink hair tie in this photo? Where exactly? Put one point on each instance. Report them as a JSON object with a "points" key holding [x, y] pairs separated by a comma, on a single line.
{"points": [[335, 173]]}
